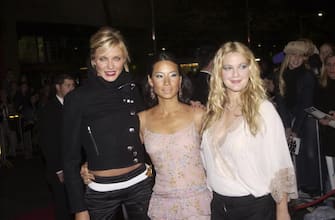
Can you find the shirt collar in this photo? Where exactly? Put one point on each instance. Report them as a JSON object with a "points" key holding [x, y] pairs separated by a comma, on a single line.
{"points": [[60, 99]]}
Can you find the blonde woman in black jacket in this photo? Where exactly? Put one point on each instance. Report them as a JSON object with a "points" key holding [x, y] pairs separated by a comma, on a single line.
{"points": [[101, 117]]}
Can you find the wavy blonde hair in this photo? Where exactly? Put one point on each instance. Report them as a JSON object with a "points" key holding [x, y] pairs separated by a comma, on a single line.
{"points": [[324, 74], [251, 96], [283, 67], [107, 37], [309, 50]]}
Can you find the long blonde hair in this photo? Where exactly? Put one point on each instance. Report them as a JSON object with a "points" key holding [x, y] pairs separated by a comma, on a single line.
{"points": [[302, 47], [324, 73], [251, 97], [283, 67]]}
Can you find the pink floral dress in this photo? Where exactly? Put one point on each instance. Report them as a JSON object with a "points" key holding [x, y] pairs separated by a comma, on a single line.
{"points": [[180, 190]]}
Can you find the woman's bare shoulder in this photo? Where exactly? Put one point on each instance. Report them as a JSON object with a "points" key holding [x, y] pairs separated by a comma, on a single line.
{"points": [[146, 112], [197, 114], [143, 115]]}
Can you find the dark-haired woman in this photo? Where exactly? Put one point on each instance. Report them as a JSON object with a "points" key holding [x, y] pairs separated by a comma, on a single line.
{"points": [[170, 132]]}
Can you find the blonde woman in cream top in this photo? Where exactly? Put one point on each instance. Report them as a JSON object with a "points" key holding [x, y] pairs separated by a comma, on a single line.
{"points": [[251, 164], [244, 149]]}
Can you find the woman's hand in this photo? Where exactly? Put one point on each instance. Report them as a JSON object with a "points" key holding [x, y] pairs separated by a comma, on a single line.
{"points": [[82, 215], [328, 120], [282, 209], [85, 174], [197, 104], [290, 134], [324, 121]]}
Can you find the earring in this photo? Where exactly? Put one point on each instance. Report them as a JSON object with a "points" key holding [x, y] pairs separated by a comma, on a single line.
{"points": [[152, 94]]}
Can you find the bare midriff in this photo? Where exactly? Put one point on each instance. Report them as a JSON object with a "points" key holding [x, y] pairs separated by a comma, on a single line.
{"points": [[115, 172]]}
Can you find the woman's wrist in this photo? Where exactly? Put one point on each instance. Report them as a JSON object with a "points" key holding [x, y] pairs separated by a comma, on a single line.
{"points": [[282, 209], [83, 215]]}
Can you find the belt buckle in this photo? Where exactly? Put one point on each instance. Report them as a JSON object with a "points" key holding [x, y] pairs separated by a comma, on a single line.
{"points": [[149, 171]]}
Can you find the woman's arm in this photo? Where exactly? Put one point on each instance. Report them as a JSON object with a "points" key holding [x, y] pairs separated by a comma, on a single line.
{"points": [[82, 216], [85, 174], [282, 209], [280, 167], [141, 116], [198, 118]]}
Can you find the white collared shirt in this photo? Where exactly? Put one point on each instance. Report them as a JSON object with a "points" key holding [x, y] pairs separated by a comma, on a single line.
{"points": [[60, 99]]}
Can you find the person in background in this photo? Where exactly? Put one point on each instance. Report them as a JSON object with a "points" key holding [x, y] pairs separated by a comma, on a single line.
{"points": [[49, 127], [12, 92], [326, 49], [268, 76], [99, 119], [8, 133], [45, 94], [325, 102], [296, 92], [29, 118], [244, 148], [22, 96], [312, 58], [200, 80]]}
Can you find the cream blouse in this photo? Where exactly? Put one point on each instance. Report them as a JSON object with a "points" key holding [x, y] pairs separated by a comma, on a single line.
{"points": [[238, 163]]}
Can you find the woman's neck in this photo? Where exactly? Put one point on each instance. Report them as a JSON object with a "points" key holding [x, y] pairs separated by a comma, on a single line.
{"points": [[167, 107], [234, 99], [233, 104]]}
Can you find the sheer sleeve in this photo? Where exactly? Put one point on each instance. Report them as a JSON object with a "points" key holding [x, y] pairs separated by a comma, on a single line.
{"points": [[283, 182], [280, 169]]}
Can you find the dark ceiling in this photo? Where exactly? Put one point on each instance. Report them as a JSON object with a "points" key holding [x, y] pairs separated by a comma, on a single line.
{"points": [[183, 25], [271, 23]]}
